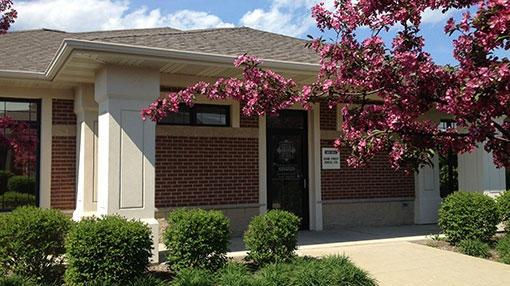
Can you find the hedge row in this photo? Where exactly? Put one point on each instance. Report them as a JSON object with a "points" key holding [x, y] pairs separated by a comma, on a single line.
{"points": [[114, 250]]}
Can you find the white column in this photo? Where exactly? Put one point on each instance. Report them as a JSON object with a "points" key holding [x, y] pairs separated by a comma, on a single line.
{"points": [[86, 108], [477, 173], [427, 194], [126, 153]]}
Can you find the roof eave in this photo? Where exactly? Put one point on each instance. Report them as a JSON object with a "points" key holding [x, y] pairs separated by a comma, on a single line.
{"points": [[16, 74], [69, 45]]}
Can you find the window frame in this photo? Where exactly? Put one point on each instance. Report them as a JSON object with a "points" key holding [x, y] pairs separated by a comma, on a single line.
{"points": [[37, 171], [193, 110]]}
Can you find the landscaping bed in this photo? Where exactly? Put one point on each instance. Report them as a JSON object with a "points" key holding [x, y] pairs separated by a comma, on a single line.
{"points": [[40, 247], [469, 222], [445, 245]]}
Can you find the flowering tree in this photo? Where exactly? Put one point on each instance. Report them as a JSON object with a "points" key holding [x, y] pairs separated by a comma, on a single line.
{"points": [[7, 15], [387, 90]]}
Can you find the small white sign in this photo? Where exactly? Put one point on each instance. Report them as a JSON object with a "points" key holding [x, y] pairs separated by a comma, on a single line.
{"points": [[330, 159]]}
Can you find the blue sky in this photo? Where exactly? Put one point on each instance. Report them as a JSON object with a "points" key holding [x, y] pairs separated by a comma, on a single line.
{"points": [[290, 17]]}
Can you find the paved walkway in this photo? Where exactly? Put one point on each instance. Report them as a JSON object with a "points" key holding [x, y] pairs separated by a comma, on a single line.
{"points": [[407, 263], [352, 236], [391, 257]]}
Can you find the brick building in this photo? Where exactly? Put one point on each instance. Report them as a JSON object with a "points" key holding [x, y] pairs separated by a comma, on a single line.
{"points": [[84, 91]]}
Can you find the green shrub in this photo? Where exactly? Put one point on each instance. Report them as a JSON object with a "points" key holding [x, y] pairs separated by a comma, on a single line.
{"points": [[474, 248], [4, 177], [274, 274], [21, 184], [468, 216], [503, 202], [16, 281], [110, 249], [193, 277], [328, 271], [32, 242], [147, 281], [234, 274], [196, 238], [272, 237], [12, 200], [503, 249]]}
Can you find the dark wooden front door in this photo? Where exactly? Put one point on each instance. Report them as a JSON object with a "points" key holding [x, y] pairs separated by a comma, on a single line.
{"points": [[287, 163]]}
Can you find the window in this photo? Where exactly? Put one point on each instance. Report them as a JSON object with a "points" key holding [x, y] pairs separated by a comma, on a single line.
{"points": [[18, 166], [200, 115], [448, 165]]}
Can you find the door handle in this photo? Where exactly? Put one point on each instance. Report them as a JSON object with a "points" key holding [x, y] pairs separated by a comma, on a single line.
{"points": [[304, 183]]}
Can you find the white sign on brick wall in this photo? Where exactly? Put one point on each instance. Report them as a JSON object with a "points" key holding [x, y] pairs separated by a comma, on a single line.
{"points": [[330, 159]]}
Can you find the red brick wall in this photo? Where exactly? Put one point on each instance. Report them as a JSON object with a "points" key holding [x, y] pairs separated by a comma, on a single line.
{"points": [[193, 171], [63, 157], [328, 117], [63, 172], [249, 122], [377, 180], [63, 112]]}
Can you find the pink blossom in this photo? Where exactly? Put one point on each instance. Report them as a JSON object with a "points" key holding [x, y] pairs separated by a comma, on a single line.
{"points": [[387, 90]]}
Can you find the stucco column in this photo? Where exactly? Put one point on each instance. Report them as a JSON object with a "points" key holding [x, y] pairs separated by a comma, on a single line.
{"points": [[427, 194], [126, 149], [85, 108], [477, 173]]}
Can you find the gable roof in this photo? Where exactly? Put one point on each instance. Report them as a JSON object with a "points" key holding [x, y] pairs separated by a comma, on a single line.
{"points": [[33, 50]]}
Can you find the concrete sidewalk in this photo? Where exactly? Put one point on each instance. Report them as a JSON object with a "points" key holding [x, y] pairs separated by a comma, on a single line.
{"points": [[407, 263], [351, 236]]}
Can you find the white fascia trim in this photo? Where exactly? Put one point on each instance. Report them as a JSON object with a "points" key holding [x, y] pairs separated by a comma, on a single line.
{"points": [[15, 74], [69, 45]]}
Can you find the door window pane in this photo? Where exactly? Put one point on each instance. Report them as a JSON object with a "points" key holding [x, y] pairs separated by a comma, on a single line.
{"points": [[19, 153]]}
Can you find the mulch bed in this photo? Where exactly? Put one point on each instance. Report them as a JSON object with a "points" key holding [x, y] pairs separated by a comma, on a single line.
{"points": [[444, 245]]}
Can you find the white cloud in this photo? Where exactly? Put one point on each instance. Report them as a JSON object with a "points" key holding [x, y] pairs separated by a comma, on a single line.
{"points": [[436, 16], [289, 17], [90, 15], [277, 21], [188, 19]]}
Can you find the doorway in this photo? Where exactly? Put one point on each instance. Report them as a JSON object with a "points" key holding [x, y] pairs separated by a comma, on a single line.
{"points": [[287, 164]]}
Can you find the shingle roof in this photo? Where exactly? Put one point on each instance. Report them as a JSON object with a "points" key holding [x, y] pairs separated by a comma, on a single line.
{"points": [[33, 50]]}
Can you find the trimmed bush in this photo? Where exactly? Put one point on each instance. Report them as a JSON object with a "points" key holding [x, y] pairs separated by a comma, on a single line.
{"points": [[272, 237], [468, 216], [21, 184], [196, 238], [234, 274], [16, 281], [193, 277], [503, 202], [474, 248], [32, 242], [503, 249], [110, 249], [12, 200]]}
